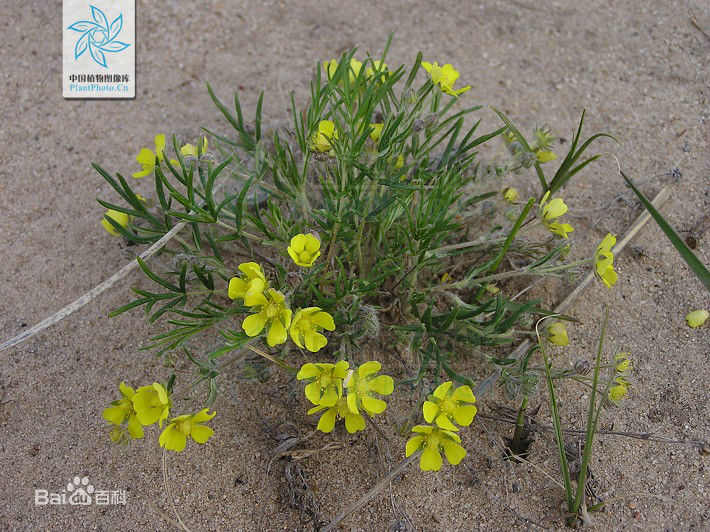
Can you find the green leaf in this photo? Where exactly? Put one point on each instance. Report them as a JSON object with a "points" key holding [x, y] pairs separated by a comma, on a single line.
{"points": [[698, 268]]}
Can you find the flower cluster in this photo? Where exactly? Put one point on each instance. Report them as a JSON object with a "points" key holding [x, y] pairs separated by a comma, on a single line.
{"points": [[445, 408], [327, 384], [269, 309], [149, 405], [550, 212]]}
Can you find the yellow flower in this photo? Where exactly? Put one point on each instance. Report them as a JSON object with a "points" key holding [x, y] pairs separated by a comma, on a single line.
{"points": [[378, 68], [446, 405], [399, 163], [353, 422], [152, 403], [558, 334], [362, 383], [433, 440], [304, 249], [545, 156], [622, 363], [146, 157], [604, 261], [376, 132], [250, 286], [271, 314], [321, 140], [619, 391], [510, 194], [122, 409], [550, 212], [190, 150], [355, 67], [696, 318], [306, 327], [325, 382], [445, 77], [175, 435], [120, 217]]}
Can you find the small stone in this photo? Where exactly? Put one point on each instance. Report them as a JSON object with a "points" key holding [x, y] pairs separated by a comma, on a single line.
{"points": [[636, 514], [632, 506]]}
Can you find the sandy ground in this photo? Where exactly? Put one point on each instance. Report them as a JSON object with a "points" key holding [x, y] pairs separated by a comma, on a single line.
{"points": [[640, 69]]}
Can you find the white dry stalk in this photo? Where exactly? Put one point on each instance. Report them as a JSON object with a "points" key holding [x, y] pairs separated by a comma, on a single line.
{"points": [[92, 294], [95, 292]]}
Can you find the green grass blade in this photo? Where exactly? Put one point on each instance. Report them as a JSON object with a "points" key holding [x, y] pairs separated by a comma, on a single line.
{"points": [[699, 269]]}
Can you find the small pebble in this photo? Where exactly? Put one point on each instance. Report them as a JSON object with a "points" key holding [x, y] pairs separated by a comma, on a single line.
{"points": [[632, 506]]}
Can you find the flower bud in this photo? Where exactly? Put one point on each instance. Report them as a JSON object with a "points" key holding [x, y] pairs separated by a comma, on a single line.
{"points": [[582, 366], [510, 194], [431, 120]]}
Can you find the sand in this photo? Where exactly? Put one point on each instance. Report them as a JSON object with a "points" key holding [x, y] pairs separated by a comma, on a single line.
{"points": [[641, 70]]}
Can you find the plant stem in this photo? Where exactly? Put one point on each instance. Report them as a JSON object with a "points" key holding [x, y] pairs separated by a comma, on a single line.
{"points": [[591, 421], [558, 429], [276, 361], [519, 427], [235, 230]]}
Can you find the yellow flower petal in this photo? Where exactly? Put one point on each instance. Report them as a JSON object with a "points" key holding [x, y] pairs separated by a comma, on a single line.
{"points": [[254, 324], [308, 371], [382, 384], [369, 368], [201, 434], [277, 334], [354, 423], [453, 451], [159, 146], [413, 445], [313, 392], [463, 415], [172, 438], [696, 318], [430, 459], [326, 423], [315, 341], [464, 393], [430, 410], [442, 389], [445, 423], [373, 405], [237, 288], [146, 157], [114, 414], [135, 429]]}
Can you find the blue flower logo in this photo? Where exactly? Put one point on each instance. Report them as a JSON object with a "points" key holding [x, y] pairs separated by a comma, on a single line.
{"points": [[98, 36]]}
